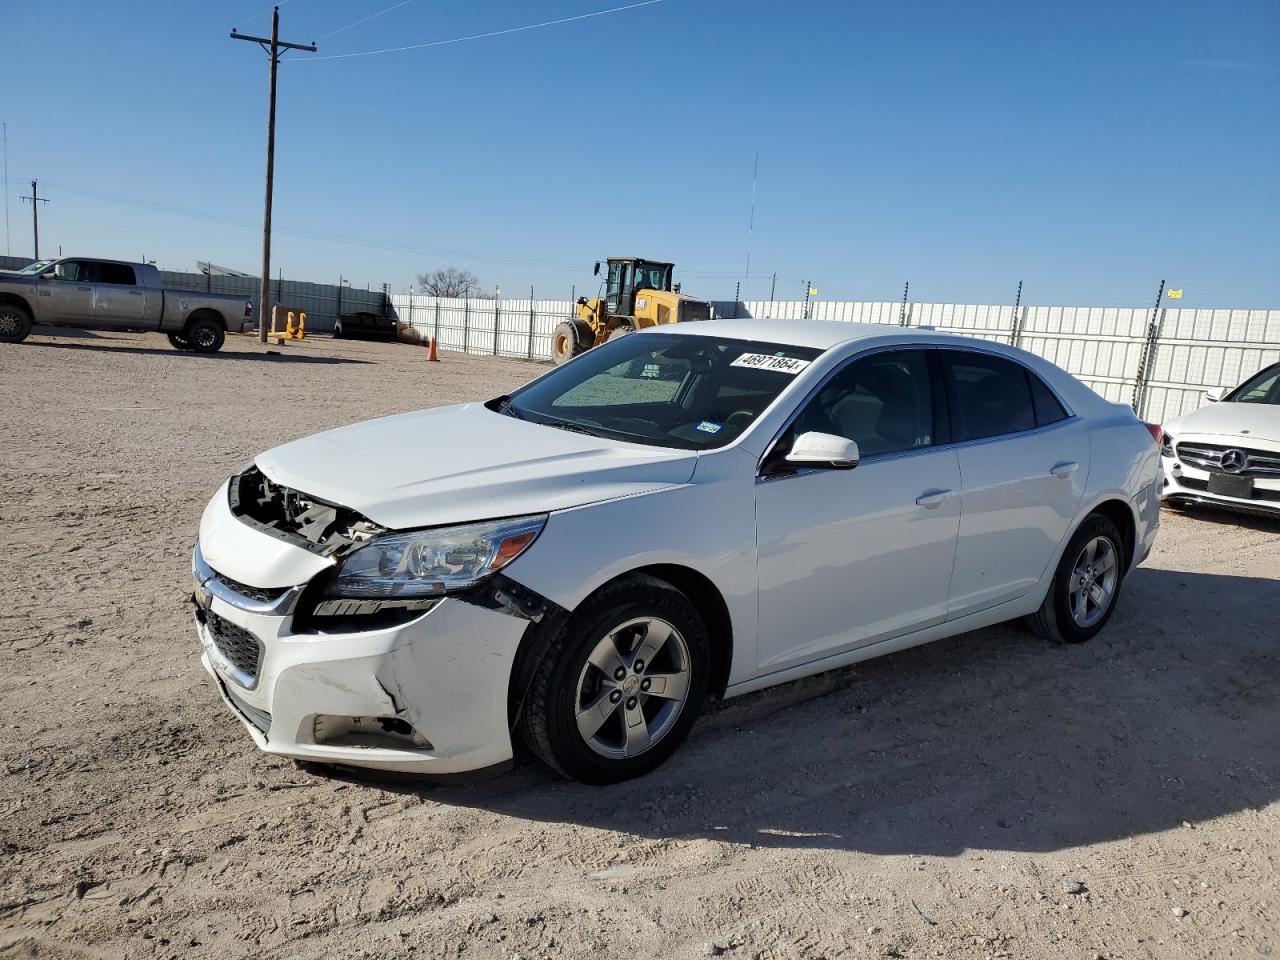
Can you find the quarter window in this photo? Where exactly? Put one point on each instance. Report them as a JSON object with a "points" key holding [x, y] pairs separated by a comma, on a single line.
{"points": [[883, 402], [1048, 409], [990, 395]]}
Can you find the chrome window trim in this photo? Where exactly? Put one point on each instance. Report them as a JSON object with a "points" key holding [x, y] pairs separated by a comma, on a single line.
{"points": [[1071, 417]]}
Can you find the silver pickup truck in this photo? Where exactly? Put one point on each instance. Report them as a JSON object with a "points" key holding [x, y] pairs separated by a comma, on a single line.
{"points": [[115, 295]]}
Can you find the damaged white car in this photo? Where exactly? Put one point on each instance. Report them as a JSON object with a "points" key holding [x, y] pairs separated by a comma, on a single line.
{"points": [[695, 511]]}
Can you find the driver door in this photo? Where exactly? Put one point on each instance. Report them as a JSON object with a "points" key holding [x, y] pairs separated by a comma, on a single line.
{"points": [[69, 295], [848, 557]]}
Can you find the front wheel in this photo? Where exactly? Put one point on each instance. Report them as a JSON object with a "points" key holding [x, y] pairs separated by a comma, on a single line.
{"points": [[15, 323], [1085, 586], [205, 336], [621, 685], [179, 342], [570, 338]]}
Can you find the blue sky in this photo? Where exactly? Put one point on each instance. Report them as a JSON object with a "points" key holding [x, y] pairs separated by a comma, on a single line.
{"points": [[1087, 148]]}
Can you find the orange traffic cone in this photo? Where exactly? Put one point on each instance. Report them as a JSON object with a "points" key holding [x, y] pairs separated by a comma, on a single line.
{"points": [[431, 349]]}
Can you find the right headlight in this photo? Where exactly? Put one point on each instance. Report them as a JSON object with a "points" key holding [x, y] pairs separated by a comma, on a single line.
{"points": [[431, 563]]}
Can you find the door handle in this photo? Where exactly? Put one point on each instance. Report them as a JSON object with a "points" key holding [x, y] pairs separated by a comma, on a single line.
{"points": [[934, 498], [1064, 468], [136, 293]]}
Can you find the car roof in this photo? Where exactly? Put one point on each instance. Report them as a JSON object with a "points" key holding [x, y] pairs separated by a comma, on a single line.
{"points": [[820, 334]]}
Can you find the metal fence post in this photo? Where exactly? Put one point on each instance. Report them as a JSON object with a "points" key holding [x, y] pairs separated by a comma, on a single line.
{"points": [[497, 323], [1015, 334], [1147, 360], [437, 333], [737, 293], [807, 288], [902, 314], [531, 322], [466, 323]]}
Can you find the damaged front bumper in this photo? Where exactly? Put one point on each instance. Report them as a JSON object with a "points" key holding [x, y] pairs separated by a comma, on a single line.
{"points": [[427, 696]]}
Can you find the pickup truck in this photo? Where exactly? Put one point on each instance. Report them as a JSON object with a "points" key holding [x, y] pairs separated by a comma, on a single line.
{"points": [[115, 295]]}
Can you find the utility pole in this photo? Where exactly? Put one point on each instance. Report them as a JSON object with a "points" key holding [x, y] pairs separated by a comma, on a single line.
{"points": [[36, 200], [7, 250], [272, 46]]}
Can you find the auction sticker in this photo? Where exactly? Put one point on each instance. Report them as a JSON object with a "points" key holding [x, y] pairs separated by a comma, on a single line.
{"points": [[764, 361]]}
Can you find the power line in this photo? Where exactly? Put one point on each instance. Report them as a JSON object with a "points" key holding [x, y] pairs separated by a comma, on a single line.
{"points": [[372, 16], [491, 33]]}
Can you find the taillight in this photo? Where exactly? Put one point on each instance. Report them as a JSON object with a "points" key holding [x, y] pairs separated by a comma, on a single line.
{"points": [[1157, 433]]}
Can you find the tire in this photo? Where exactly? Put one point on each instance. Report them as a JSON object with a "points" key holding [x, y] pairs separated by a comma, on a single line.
{"points": [[15, 323], [636, 729], [205, 335], [1060, 617], [179, 342], [570, 338], [621, 330]]}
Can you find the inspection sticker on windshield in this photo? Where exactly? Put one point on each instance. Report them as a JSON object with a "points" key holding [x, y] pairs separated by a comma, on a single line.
{"points": [[763, 361], [708, 426]]}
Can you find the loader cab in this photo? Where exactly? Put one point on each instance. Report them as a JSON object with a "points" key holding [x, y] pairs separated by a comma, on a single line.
{"points": [[626, 275]]}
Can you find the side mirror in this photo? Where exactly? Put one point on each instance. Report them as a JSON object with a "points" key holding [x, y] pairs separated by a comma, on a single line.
{"points": [[1216, 394], [596, 271], [824, 450]]}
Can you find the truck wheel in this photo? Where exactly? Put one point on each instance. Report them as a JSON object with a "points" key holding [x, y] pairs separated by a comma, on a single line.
{"points": [[179, 342], [618, 689], [571, 337], [205, 336], [15, 323]]}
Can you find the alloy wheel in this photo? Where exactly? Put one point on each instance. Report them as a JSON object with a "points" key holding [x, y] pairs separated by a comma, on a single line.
{"points": [[1093, 581], [632, 688], [10, 324]]}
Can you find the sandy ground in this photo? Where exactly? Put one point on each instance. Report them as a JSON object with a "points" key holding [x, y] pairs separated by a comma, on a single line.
{"points": [[936, 803]]}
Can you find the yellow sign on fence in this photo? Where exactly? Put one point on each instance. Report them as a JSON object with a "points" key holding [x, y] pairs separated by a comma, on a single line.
{"points": [[1175, 294], [813, 291]]}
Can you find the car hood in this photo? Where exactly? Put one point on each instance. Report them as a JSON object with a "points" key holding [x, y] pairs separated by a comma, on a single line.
{"points": [[1261, 420], [463, 463]]}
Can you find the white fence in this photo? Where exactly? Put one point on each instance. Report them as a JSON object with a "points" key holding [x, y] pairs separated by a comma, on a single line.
{"points": [[1158, 363]]}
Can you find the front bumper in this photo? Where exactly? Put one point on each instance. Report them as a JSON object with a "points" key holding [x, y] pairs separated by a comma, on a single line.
{"points": [[430, 695], [1186, 483]]}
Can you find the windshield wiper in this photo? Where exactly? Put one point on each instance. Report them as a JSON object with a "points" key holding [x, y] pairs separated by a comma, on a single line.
{"points": [[567, 425], [507, 407]]}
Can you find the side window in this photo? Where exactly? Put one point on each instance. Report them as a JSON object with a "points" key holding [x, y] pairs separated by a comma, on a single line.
{"points": [[883, 402], [78, 271], [990, 396], [120, 273], [1048, 409]]}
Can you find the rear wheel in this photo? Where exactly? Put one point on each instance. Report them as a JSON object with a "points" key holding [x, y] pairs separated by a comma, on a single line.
{"points": [[620, 686], [621, 330], [205, 335], [15, 323], [179, 342], [1085, 586], [571, 337]]}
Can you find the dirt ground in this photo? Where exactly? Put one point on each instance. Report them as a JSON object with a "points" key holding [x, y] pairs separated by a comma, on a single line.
{"points": [[943, 802]]}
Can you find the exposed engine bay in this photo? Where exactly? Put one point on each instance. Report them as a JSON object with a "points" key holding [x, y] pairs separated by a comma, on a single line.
{"points": [[320, 527]]}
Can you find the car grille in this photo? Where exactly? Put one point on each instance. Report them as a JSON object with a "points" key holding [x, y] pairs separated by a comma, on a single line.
{"points": [[259, 718], [1208, 456], [240, 647], [253, 593]]}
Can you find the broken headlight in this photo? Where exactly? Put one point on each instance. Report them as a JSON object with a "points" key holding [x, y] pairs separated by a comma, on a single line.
{"points": [[431, 563]]}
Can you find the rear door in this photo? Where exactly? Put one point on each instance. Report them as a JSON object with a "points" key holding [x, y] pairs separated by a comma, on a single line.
{"points": [[120, 302], [68, 296], [1024, 460]]}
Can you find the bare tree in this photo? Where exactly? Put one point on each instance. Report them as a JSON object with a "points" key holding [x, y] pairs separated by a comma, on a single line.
{"points": [[450, 283]]}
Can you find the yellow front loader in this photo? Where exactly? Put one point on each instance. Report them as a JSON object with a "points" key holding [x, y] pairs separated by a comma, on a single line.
{"points": [[638, 294]]}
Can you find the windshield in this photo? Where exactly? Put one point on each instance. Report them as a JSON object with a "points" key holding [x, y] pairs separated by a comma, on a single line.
{"points": [[1262, 388], [35, 267], [667, 390]]}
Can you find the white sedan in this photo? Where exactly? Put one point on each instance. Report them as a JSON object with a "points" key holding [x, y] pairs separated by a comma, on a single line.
{"points": [[695, 511], [1228, 453]]}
